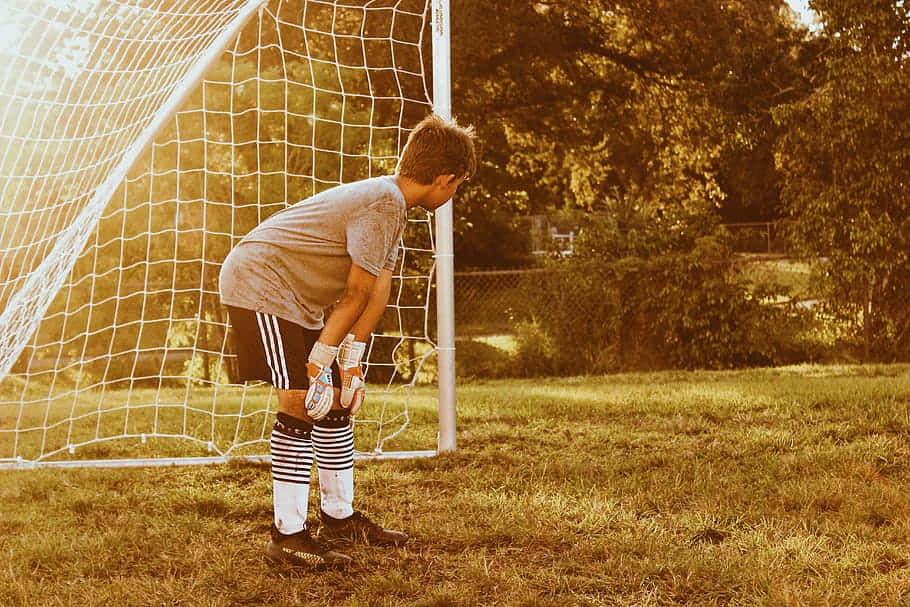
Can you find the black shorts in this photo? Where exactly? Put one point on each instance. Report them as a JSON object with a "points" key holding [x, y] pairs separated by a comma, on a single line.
{"points": [[274, 350]]}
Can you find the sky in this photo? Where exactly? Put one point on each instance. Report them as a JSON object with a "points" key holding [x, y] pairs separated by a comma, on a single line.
{"points": [[802, 7]]}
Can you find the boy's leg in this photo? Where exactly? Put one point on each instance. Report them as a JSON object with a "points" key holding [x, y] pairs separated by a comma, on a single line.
{"points": [[292, 461], [333, 442], [268, 350]]}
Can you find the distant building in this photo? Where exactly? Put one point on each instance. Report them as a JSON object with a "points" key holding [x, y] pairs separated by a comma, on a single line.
{"points": [[551, 235]]}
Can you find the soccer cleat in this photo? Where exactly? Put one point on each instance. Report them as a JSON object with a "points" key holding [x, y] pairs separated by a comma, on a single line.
{"points": [[301, 550], [357, 528]]}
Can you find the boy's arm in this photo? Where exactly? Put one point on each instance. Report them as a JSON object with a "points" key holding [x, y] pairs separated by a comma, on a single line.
{"points": [[352, 349], [379, 298], [351, 307]]}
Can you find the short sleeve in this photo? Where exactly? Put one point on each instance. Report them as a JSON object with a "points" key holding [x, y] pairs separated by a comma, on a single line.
{"points": [[372, 235], [393, 257]]}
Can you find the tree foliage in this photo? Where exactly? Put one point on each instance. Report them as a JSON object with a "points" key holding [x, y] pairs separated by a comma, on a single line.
{"points": [[845, 157], [633, 109]]}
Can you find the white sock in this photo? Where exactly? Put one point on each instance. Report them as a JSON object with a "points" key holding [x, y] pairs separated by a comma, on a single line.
{"points": [[336, 488], [292, 460], [334, 449]]}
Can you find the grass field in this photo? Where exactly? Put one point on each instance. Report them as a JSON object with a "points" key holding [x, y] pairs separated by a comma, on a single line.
{"points": [[110, 423], [765, 487]]}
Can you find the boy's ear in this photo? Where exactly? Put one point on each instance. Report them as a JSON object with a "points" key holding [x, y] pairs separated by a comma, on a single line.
{"points": [[444, 180]]}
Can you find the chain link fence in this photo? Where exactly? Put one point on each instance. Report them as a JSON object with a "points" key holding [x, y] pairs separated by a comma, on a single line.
{"points": [[786, 316], [763, 237], [490, 302]]}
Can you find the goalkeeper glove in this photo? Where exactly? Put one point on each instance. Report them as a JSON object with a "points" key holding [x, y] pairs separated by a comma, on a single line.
{"points": [[320, 394], [350, 352]]}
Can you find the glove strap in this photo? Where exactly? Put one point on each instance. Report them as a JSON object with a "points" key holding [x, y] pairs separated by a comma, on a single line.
{"points": [[322, 354], [350, 352]]}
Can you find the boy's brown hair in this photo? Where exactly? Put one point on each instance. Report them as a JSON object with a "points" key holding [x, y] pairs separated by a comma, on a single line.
{"points": [[437, 147]]}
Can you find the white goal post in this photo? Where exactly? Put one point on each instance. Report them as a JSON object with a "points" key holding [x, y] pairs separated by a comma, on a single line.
{"points": [[141, 139]]}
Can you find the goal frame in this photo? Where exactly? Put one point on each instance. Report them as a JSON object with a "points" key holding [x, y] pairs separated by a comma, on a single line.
{"points": [[440, 23]]}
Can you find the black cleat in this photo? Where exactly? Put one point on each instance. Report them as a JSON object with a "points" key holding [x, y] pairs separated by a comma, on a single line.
{"points": [[357, 528], [301, 550]]}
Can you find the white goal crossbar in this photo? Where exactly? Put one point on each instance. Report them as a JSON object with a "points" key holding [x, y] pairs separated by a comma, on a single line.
{"points": [[141, 140]]}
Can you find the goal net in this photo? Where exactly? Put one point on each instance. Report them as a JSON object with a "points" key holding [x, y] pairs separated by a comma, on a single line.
{"points": [[139, 141]]}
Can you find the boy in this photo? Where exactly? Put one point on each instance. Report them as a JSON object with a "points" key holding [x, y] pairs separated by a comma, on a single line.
{"points": [[336, 249]]}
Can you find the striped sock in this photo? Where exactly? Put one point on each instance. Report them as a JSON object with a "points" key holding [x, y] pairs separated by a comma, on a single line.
{"points": [[292, 460], [334, 448]]}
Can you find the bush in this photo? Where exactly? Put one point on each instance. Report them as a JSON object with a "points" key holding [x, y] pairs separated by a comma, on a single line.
{"points": [[536, 354], [654, 297], [479, 359]]}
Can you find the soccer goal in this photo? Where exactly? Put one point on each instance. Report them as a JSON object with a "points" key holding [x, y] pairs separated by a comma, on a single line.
{"points": [[141, 139]]}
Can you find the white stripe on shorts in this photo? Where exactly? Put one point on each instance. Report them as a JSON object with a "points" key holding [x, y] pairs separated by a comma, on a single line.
{"points": [[266, 345], [282, 364], [273, 346]]}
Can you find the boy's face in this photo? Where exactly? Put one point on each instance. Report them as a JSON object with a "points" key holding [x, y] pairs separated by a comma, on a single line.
{"points": [[443, 190]]}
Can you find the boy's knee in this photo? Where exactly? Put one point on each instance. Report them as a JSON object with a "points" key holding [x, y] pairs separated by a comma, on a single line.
{"points": [[293, 402]]}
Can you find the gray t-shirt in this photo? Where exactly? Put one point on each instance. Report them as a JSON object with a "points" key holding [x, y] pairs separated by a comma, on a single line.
{"points": [[295, 264]]}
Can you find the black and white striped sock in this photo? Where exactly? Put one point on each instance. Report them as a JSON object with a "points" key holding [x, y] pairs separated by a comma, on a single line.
{"points": [[333, 442], [292, 461]]}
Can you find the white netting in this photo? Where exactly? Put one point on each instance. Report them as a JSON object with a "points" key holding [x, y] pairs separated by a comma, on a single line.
{"points": [[112, 338]]}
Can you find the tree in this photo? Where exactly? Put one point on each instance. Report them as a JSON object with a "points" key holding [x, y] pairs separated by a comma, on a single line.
{"points": [[635, 109], [845, 155]]}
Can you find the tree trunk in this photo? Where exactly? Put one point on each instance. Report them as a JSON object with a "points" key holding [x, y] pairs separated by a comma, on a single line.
{"points": [[867, 325]]}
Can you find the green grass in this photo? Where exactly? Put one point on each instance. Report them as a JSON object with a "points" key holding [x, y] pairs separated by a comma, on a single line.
{"points": [[106, 423], [765, 487]]}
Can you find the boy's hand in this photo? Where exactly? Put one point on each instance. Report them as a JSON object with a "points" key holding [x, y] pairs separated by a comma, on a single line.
{"points": [[350, 353], [319, 395]]}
